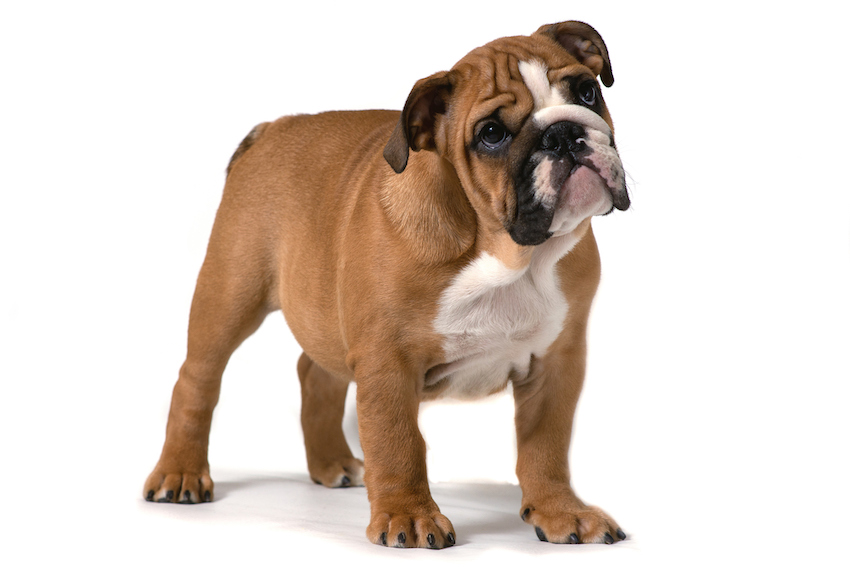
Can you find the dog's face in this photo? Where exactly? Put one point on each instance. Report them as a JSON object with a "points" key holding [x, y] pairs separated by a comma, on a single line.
{"points": [[523, 122]]}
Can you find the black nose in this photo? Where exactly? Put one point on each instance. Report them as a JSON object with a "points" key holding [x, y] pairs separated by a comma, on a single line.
{"points": [[562, 138]]}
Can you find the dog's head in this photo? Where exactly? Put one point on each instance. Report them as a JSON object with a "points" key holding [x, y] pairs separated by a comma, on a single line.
{"points": [[524, 125]]}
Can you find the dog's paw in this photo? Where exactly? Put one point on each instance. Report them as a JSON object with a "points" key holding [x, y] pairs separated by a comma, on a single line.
{"points": [[180, 488], [338, 474], [571, 522], [430, 530]]}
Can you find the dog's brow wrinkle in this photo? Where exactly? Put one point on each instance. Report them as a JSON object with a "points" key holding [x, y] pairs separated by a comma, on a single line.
{"points": [[535, 76]]}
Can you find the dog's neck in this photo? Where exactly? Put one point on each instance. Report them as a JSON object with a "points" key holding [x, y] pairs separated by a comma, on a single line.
{"points": [[426, 203], [429, 205]]}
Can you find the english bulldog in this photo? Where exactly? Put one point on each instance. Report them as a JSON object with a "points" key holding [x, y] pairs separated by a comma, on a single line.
{"points": [[442, 251]]}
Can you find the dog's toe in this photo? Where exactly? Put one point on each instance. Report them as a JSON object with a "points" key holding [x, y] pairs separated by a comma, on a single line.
{"points": [[572, 524], [181, 488], [540, 535], [428, 530], [338, 474]]}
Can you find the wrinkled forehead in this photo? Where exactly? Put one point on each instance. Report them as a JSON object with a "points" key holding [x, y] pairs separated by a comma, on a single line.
{"points": [[516, 77]]}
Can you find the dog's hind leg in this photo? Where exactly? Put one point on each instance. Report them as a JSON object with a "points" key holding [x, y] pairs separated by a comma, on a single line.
{"points": [[329, 458], [230, 302]]}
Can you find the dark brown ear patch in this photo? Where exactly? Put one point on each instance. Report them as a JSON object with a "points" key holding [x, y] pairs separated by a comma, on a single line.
{"points": [[585, 44], [397, 149], [416, 127]]}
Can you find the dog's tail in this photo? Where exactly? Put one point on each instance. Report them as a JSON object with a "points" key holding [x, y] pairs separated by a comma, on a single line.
{"points": [[247, 143]]}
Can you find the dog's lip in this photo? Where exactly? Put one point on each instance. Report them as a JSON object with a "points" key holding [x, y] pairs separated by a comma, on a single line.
{"points": [[585, 180], [619, 193], [622, 202]]}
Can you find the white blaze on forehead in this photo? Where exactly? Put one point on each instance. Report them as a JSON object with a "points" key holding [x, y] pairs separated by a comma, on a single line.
{"points": [[535, 76], [549, 104]]}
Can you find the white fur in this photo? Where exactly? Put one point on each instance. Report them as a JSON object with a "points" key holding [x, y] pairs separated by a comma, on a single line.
{"points": [[494, 318], [544, 192], [549, 115], [534, 75]]}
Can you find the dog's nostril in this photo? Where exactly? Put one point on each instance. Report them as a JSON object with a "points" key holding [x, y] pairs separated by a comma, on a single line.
{"points": [[550, 143], [576, 146]]}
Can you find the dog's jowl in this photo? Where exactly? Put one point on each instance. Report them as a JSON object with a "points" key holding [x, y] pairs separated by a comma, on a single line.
{"points": [[442, 251]]}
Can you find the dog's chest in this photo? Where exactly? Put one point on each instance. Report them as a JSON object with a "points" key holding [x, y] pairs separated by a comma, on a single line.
{"points": [[492, 320]]}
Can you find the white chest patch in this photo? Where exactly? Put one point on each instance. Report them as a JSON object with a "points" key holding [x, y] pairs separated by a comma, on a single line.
{"points": [[493, 319]]}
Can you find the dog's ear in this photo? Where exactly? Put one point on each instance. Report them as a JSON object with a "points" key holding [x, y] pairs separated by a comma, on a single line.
{"points": [[585, 44], [415, 129]]}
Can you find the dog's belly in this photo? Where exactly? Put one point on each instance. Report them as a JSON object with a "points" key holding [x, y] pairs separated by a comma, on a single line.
{"points": [[493, 320]]}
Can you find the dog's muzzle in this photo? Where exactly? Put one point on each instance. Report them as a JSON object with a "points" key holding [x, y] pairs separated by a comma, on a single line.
{"points": [[574, 131], [586, 146], [572, 173]]}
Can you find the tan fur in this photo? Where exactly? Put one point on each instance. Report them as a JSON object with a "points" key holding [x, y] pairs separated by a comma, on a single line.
{"points": [[314, 222]]}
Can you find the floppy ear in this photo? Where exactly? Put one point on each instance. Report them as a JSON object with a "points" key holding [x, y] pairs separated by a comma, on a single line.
{"points": [[415, 128], [585, 44]]}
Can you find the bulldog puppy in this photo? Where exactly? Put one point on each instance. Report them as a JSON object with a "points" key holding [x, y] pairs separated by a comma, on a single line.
{"points": [[441, 251]]}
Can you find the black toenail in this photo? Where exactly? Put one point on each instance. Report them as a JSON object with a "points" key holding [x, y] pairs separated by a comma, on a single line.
{"points": [[402, 538], [207, 496], [608, 539], [187, 497], [149, 497], [384, 538], [525, 513], [621, 534], [451, 538], [540, 535], [431, 540], [574, 538], [345, 481]]}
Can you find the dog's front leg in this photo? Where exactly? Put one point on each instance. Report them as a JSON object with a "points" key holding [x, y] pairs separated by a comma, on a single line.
{"points": [[545, 405], [403, 512]]}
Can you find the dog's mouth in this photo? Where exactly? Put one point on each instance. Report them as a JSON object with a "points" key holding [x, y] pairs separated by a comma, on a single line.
{"points": [[602, 158], [574, 173], [592, 186]]}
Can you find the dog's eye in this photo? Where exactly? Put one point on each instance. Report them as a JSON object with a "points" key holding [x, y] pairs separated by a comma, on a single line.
{"points": [[588, 93], [493, 135]]}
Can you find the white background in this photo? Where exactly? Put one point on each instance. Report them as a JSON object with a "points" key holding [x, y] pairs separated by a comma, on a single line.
{"points": [[713, 425]]}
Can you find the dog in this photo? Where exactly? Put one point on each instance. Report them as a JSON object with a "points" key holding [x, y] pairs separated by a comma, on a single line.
{"points": [[445, 250]]}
